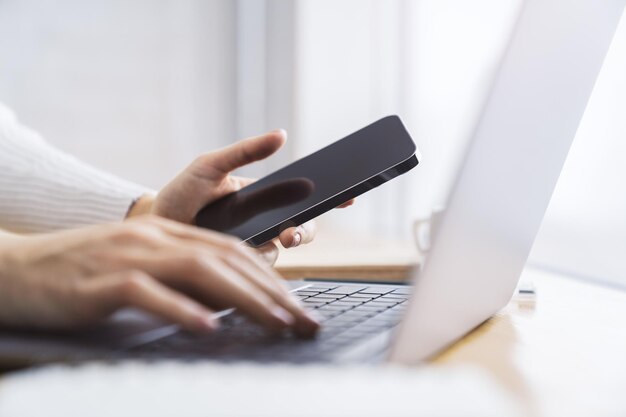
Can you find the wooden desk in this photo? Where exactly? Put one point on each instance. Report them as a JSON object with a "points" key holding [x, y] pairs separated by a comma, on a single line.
{"points": [[563, 354], [349, 257]]}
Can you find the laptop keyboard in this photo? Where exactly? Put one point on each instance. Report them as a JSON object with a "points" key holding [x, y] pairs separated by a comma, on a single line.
{"points": [[348, 314]]}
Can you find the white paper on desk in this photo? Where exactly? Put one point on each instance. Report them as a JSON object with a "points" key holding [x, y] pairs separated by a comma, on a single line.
{"points": [[211, 389]]}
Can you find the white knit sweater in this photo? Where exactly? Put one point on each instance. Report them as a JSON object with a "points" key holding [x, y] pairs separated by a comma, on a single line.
{"points": [[43, 189]]}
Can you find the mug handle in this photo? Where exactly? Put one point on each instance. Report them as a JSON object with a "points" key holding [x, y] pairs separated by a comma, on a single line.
{"points": [[424, 229]]}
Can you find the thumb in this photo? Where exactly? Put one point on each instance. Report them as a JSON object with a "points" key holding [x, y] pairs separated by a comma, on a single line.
{"points": [[247, 151]]}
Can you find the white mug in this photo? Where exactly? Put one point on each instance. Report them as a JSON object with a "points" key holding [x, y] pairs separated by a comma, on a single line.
{"points": [[424, 230]]}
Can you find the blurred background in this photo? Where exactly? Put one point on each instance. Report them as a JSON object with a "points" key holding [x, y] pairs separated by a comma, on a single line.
{"points": [[139, 88]]}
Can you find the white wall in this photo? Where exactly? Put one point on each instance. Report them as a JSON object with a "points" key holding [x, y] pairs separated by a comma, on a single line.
{"points": [[584, 232], [135, 87], [429, 61], [140, 87]]}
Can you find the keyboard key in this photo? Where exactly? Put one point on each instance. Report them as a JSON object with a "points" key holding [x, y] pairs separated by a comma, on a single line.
{"points": [[342, 303], [313, 301], [325, 296], [327, 315], [346, 317], [380, 290], [381, 303], [374, 324], [320, 287], [347, 289], [331, 307], [340, 340], [346, 322], [306, 292], [365, 296], [393, 296], [370, 308], [383, 319], [391, 313], [326, 332], [405, 290], [359, 332], [336, 321], [351, 299]]}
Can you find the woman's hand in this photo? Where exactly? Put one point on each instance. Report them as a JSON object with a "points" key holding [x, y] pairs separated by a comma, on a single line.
{"points": [[181, 273], [208, 178]]}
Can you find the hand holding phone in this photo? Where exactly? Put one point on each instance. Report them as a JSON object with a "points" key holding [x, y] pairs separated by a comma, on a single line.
{"points": [[314, 184]]}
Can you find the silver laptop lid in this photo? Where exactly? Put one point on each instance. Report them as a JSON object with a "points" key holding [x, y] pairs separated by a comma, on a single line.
{"points": [[505, 183]]}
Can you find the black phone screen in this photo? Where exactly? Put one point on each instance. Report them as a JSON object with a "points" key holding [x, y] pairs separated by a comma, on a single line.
{"points": [[313, 184]]}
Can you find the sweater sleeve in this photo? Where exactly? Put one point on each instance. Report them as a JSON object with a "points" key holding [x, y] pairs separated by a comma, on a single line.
{"points": [[43, 189]]}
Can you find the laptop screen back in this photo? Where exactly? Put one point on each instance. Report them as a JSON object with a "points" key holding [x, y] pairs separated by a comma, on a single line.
{"points": [[505, 183]]}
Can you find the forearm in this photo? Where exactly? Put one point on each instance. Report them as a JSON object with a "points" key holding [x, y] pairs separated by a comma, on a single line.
{"points": [[7, 239], [43, 189], [6, 235]]}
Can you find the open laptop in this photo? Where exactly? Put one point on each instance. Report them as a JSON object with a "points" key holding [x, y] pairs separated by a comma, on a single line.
{"points": [[493, 214]]}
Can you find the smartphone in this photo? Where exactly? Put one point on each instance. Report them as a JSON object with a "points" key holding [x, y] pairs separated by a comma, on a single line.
{"points": [[314, 184]]}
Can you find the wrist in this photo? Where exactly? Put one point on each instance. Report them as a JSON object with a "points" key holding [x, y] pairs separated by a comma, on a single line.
{"points": [[143, 205], [8, 238]]}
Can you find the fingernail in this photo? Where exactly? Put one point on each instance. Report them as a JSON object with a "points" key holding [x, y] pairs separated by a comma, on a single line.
{"points": [[281, 131], [283, 316], [209, 323], [297, 237], [314, 321], [308, 327]]}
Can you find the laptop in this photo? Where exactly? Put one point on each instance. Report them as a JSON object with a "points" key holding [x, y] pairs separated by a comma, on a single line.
{"points": [[493, 213]]}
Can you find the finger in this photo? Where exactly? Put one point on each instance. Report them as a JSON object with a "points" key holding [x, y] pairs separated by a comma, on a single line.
{"points": [[243, 181], [248, 268], [194, 266], [308, 231], [290, 238], [168, 227], [346, 204], [253, 267], [212, 241], [247, 151], [185, 259], [305, 325], [295, 236], [134, 288], [236, 254], [215, 282], [268, 252]]}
